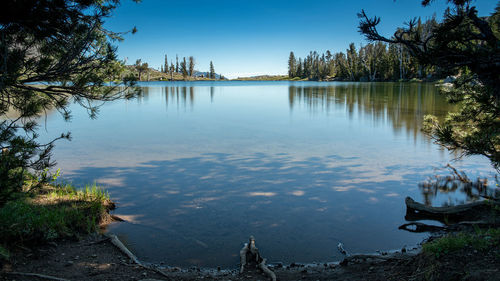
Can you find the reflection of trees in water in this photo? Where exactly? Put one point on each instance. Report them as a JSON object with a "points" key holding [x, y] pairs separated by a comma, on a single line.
{"points": [[402, 104], [144, 94], [457, 181], [181, 96]]}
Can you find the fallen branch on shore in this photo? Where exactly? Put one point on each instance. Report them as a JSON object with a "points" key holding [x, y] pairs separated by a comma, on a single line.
{"points": [[115, 241], [250, 254], [363, 258]]}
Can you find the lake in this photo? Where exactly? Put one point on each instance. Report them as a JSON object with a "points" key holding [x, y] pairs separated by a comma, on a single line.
{"points": [[198, 167]]}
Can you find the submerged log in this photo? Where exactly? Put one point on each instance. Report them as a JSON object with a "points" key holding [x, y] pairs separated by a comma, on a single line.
{"points": [[249, 254], [418, 227]]}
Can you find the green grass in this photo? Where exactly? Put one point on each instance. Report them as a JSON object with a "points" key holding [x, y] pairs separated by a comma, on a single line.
{"points": [[53, 213], [481, 240], [89, 192]]}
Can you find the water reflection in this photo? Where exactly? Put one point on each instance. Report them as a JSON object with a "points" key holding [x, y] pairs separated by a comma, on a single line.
{"points": [[197, 211], [198, 167], [458, 188], [403, 105]]}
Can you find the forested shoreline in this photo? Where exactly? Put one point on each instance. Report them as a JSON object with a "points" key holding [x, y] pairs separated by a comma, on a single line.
{"points": [[376, 61]]}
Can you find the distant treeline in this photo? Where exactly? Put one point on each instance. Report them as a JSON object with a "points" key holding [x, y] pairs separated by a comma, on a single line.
{"points": [[372, 62], [186, 68], [181, 70]]}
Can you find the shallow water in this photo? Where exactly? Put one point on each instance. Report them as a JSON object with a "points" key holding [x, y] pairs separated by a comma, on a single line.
{"points": [[197, 167]]}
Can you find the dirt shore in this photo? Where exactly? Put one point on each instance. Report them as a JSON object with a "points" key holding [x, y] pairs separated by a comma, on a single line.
{"points": [[95, 258]]}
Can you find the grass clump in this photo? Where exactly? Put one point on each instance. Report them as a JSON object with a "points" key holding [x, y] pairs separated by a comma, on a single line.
{"points": [[479, 240], [53, 212]]}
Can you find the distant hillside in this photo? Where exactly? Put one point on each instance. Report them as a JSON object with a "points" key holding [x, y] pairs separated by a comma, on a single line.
{"points": [[263, 78], [205, 74]]}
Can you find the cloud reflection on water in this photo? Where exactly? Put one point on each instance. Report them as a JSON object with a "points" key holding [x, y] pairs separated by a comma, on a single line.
{"points": [[292, 211]]}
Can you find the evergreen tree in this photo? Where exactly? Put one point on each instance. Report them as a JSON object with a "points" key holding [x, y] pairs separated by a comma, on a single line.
{"points": [[191, 66], [61, 42], [292, 68], [299, 69], [176, 64], [184, 68], [469, 46], [165, 67], [172, 69], [212, 71]]}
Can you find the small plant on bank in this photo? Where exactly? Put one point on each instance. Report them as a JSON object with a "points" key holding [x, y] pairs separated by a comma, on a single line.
{"points": [[480, 240]]}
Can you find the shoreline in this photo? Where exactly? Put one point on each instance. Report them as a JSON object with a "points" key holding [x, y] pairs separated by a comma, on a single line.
{"points": [[455, 256], [96, 258]]}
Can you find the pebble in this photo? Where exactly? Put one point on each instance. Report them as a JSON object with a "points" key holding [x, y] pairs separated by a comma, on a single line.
{"points": [[94, 256], [69, 263]]}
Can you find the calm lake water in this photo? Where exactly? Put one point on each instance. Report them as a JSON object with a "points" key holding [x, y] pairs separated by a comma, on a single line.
{"points": [[198, 167]]}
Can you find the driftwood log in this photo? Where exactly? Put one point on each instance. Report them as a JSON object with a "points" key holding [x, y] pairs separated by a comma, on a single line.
{"points": [[476, 211], [249, 255], [363, 258], [115, 241], [454, 218]]}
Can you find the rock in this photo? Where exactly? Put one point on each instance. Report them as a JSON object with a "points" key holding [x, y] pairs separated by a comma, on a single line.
{"points": [[94, 256], [69, 263]]}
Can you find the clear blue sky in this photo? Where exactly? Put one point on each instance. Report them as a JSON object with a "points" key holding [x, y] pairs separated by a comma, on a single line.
{"points": [[254, 37]]}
